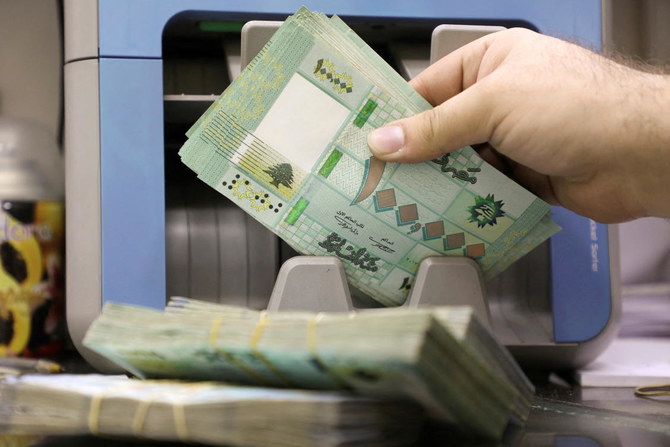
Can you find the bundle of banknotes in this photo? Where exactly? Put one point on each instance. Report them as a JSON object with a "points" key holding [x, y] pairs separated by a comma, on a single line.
{"points": [[286, 142], [205, 412], [443, 359]]}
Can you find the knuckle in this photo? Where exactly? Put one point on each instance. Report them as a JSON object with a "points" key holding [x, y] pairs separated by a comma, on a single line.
{"points": [[419, 84], [434, 133], [425, 136], [519, 33], [430, 129]]}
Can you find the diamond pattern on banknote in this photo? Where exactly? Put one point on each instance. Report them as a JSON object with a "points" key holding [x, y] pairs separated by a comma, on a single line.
{"points": [[455, 240], [436, 230], [385, 200], [433, 230], [475, 250], [407, 214], [341, 82]]}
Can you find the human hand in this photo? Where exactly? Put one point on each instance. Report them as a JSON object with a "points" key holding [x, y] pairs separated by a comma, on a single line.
{"points": [[577, 129]]}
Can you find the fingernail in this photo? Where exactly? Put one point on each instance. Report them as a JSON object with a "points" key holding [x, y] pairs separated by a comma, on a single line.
{"points": [[386, 140]]}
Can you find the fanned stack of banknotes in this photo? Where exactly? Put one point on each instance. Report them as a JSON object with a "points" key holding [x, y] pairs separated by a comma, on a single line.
{"points": [[287, 143], [204, 412], [442, 359], [226, 375]]}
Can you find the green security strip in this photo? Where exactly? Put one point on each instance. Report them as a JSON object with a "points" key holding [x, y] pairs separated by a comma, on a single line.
{"points": [[330, 163], [365, 113], [221, 27], [296, 211]]}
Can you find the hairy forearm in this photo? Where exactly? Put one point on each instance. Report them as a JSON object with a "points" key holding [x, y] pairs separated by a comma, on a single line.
{"points": [[625, 157], [648, 140]]}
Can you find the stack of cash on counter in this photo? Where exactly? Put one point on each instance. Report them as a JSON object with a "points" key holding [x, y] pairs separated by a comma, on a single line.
{"points": [[286, 142], [224, 375], [203, 412], [441, 359]]}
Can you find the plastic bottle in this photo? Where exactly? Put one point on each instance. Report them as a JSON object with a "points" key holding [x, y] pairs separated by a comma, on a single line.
{"points": [[31, 240]]}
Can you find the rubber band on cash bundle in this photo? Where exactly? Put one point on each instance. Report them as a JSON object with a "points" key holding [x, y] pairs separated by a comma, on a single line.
{"points": [[213, 341], [95, 409], [314, 354], [653, 390], [253, 344]]}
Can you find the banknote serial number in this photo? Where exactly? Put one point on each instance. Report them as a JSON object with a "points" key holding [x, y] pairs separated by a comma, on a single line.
{"points": [[337, 245]]}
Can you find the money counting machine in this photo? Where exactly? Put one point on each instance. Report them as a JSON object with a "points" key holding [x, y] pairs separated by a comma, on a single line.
{"points": [[141, 227]]}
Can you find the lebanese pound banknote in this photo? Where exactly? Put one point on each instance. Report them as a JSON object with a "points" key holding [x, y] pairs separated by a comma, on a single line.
{"points": [[287, 143], [209, 413], [442, 358]]}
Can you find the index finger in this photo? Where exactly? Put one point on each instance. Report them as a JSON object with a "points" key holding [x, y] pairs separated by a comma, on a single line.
{"points": [[453, 73]]}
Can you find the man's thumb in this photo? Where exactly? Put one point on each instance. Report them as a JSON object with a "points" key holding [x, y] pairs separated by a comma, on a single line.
{"points": [[457, 122]]}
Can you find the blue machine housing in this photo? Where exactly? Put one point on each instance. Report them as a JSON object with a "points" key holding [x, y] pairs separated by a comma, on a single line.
{"points": [[132, 172]]}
